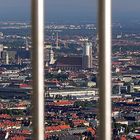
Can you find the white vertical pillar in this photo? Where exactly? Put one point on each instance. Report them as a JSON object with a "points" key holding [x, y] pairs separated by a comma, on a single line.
{"points": [[38, 68], [105, 69]]}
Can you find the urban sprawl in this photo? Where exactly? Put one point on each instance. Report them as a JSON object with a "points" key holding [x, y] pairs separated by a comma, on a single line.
{"points": [[71, 81]]}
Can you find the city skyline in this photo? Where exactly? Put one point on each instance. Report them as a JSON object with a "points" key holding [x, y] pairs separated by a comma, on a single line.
{"points": [[68, 11], [71, 79]]}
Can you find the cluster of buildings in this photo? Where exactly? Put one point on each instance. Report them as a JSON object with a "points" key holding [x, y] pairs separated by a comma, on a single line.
{"points": [[125, 93], [66, 118], [70, 26], [71, 89], [70, 62]]}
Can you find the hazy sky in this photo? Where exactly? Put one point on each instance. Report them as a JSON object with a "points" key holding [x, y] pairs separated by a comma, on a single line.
{"points": [[68, 10]]}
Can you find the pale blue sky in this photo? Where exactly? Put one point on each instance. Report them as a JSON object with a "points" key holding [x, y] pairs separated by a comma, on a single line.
{"points": [[68, 10]]}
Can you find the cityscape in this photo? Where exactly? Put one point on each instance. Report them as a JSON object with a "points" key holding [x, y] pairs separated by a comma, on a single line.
{"points": [[71, 81]]}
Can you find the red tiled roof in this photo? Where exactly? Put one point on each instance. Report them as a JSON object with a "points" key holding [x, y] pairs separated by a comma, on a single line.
{"points": [[63, 103], [93, 131], [74, 116], [23, 86], [5, 116], [123, 138], [57, 128], [116, 63], [137, 137], [8, 123], [78, 122], [18, 138]]}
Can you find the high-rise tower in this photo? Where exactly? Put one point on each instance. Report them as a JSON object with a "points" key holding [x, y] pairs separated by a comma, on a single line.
{"points": [[57, 41], [26, 44], [87, 55], [51, 57], [1, 50], [5, 56]]}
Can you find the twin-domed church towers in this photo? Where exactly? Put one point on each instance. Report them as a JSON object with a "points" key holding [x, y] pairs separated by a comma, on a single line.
{"points": [[89, 52]]}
